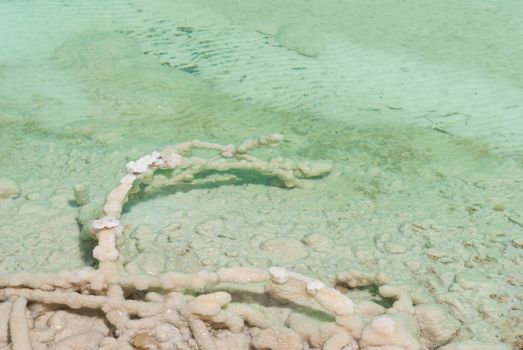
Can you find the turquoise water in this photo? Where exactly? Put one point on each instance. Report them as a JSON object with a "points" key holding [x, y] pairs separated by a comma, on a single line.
{"points": [[417, 105]]}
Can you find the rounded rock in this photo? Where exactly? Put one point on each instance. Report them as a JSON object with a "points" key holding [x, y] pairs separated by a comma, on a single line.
{"points": [[8, 189], [315, 239], [517, 243], [284, 249], [210, 228], [395, 248]]}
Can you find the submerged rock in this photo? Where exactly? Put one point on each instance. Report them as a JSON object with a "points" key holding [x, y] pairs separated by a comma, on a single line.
{"points": [[8, 189], [284, 249]]}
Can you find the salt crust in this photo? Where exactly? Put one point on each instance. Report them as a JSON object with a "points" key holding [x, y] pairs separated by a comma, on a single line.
{"points": [[31, 315]]}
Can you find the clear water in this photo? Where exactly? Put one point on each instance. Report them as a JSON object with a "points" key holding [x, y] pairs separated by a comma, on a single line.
{"points": [[417, 104]]}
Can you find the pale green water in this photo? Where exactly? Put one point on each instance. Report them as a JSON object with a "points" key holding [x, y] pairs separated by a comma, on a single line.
{"points": [[417, 104]]}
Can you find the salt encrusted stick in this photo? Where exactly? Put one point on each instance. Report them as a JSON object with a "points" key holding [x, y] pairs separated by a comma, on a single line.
{"points": [[18, 326], [329, 298], [64, 279], [108, 229], [103, 289], [262, 141], [243, 275], [201, 334], [169, 281], [70, 299], [5, 311], [78, 300]]}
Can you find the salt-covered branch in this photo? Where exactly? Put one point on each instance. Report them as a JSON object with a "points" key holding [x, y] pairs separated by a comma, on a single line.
{"points": [[160, 311], [18, 326], [108, 229]]}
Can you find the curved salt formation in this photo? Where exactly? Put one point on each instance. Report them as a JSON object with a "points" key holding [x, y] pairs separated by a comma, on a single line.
{"points": [[176, 310]]}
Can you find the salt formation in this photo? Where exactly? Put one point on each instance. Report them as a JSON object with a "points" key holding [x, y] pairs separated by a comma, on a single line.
{"points": [[108, 308]]}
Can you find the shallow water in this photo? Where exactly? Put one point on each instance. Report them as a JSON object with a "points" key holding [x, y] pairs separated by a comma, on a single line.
{"points": [[417, 105]]}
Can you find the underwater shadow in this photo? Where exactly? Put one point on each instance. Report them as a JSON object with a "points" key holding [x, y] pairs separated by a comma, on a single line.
{"points": [[202, 182]]}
